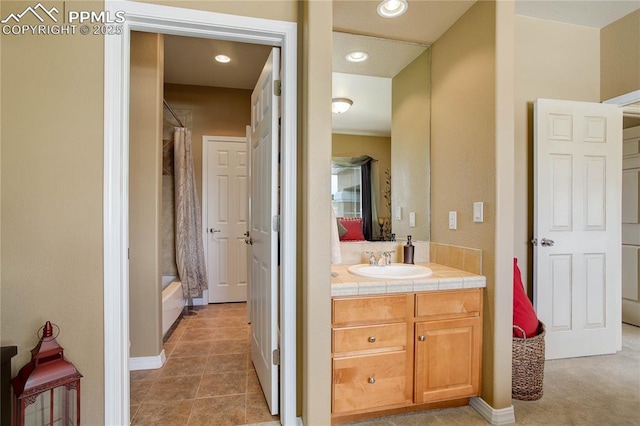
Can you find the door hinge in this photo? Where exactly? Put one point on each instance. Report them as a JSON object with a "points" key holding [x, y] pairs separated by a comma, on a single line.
{"points": [[275, 222], [276, 357], [128, 254], [277, 87]]}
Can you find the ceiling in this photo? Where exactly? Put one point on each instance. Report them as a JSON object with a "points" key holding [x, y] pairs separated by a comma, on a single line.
{"points": [[190, 60]]}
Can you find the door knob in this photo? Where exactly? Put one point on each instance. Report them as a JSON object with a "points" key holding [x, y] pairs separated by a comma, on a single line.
{"points": [[247, 239], [545, 242], [213, 230]]}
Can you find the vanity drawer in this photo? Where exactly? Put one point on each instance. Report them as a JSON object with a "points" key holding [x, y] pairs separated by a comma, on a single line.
{"points": [[373, 381], [370, 309], [354, 339], [449, 304]]}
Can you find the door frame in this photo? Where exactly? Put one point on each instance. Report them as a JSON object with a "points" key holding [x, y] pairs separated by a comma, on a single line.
{"points": [[205, 184], [624, 101], [187, 22]]}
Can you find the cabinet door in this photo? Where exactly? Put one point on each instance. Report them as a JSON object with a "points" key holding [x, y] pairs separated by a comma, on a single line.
{"points": [[448, 355]]}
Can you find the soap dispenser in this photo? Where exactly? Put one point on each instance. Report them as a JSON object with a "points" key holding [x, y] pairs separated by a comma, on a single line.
{"points": [[408, 251]]}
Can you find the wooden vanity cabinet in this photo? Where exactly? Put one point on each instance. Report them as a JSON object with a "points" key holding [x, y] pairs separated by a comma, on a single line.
{"points": [[448, 345], [401, 352]]}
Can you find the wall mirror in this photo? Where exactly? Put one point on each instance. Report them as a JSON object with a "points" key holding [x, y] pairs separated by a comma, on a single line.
{"points": [[380, 144]]}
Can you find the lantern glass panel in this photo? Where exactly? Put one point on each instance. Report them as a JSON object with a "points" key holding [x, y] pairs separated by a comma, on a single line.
{"points": [[64, 408]]}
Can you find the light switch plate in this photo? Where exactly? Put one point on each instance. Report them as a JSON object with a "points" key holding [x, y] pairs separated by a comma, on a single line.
{"points": [[453, 220], [412, 219], [478, 212]]}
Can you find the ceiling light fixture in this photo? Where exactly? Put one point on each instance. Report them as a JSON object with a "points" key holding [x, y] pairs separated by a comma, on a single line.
{"points": [[223, 59], [340, 105], [357, 56], [392, 8]]}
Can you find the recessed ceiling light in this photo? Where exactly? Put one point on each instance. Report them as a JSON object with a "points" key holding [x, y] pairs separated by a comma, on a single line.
{"points": [[392, 8], [340, 105], [223, 59], [357, 56]]}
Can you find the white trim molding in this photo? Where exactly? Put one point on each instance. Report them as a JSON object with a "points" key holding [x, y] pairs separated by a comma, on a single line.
{"points": [[147, 362], [193, 23], [628, 102], [624, 100], [504, 416]]}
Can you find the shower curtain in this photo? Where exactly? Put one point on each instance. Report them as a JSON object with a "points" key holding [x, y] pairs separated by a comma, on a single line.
{"points": [[188, 225]]}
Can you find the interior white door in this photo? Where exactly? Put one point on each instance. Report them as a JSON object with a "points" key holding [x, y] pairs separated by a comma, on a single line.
{"points": [[577, 210], [226, 218], [264, 228]]}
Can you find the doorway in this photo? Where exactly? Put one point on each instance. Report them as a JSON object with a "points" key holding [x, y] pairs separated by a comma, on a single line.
{"points": [[630, 105], [170, 20]]}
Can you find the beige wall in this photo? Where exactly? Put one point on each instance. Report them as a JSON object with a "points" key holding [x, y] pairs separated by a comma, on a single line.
{"points": [[51, 195], [552, 60], [315, 192], [52, 163], [145, 194], [463, 168], [377, 147], [620, 57], [410, 140], [215, 112]]}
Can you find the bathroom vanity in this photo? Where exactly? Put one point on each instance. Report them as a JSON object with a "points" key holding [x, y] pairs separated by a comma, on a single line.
{"points": [[403, 345]]}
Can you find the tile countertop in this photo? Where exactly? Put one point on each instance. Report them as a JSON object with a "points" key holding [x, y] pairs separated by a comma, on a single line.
{"points": [[443, 278]]}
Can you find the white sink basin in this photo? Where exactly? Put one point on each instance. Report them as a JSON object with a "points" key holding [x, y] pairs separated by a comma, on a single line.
{"points": [[395, 270]]}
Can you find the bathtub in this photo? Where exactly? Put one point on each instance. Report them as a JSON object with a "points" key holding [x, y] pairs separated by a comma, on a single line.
{"points": [[172, 301]]}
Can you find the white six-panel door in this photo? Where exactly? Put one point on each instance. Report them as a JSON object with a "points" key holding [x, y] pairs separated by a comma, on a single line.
{"points": [[226, 192], [264, 145], [577, 226]]}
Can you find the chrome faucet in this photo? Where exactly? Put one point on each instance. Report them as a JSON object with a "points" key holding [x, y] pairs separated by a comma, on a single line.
{"points": [[372, 257], [380, 259]]}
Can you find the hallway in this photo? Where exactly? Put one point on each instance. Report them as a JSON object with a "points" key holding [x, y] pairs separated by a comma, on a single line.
{"points": [[208, 378]]}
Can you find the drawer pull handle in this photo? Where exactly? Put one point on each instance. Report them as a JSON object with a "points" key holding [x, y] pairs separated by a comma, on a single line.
{"points": [[372, 339], [372, 380], [422, 338]]}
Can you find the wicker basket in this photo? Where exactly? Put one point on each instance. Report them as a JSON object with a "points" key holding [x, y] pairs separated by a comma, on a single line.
{"points": [[527, 370]]}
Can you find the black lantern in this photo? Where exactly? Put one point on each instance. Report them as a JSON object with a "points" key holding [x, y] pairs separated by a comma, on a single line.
{"points": [[46, 391]]}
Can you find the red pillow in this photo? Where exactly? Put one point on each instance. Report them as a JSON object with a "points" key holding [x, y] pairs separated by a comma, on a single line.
{"points": [[523, 314], [354, 229]]}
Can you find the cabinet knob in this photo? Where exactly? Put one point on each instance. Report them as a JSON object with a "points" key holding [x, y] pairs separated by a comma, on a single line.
{"points": [[372, 380], [372, 339], [422, 338]]}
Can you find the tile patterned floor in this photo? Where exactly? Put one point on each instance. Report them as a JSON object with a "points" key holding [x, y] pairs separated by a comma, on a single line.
{"points": [[208, 378]]}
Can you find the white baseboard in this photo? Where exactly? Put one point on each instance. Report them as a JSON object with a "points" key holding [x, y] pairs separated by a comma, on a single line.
{"points": [[504, 416], [147, 362]]}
